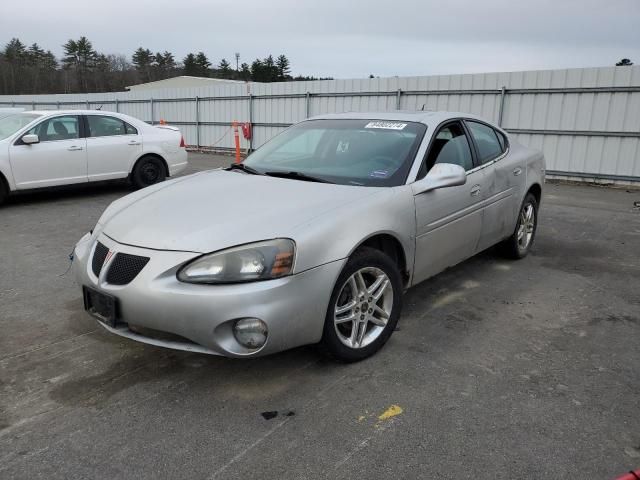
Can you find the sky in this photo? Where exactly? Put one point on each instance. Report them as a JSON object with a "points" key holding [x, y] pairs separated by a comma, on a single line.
{"points": [[347, 39]]}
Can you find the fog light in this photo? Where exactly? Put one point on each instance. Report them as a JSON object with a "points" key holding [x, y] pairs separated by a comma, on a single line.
{"points": [[250, 332]]}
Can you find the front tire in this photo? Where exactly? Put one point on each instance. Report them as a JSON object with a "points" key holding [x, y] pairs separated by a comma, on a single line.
{"points": [[519, 243], [3, 191], [148, 171], [364, 308]]}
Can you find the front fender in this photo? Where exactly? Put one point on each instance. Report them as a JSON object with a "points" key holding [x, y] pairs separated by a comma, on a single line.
{"points": [[337, 233]]}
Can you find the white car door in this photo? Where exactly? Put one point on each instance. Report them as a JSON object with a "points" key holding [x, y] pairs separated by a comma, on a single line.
{"points": [[59, 158], [112, 147], [448, 220]]}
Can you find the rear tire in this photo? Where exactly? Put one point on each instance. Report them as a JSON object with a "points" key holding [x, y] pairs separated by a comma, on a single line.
{"points": [[148, 171], [517, 246], [364, 308]]}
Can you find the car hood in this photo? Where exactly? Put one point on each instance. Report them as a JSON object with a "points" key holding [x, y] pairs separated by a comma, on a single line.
{"points": [[219, 209]]}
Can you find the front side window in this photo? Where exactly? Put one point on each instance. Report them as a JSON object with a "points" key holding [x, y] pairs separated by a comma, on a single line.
{"points": [[449, 146], [57, 128], [103, 126], [12, 123], [486, 141], [344, 151]]}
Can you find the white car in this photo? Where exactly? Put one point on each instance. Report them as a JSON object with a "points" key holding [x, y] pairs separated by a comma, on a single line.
{"points": [[49, 148]]}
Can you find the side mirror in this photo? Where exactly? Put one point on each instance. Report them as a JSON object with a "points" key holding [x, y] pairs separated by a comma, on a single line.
{"points": [[443, 175], [30, 139]]}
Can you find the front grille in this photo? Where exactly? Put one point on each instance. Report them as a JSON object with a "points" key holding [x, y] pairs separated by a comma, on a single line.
{"points": [[99, 254], [124, 268]]}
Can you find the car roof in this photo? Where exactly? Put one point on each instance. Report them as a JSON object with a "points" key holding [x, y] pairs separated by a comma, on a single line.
{"points": [[72, 112], [427, 117]]}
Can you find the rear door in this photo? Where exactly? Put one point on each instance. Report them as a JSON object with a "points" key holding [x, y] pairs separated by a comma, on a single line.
{"points": [[503, 176], [59, 158], [113, 146], [448, 220]]}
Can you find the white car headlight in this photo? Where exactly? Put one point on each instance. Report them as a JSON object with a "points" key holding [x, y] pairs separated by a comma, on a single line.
{"points": [[245, 263]]}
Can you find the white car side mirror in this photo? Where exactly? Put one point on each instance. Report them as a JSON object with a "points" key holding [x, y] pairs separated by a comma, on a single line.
{"points": [[443, 175], [30, 139]]}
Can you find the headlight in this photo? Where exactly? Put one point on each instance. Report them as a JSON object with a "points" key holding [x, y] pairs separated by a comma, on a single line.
{"points": [[246, 263]]}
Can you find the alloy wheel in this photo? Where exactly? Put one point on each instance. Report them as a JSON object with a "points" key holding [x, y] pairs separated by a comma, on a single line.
{"points": [[526, 226], [363, 307]]}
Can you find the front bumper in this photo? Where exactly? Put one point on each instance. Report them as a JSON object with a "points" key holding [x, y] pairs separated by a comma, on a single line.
{"points": [[293, 307]]}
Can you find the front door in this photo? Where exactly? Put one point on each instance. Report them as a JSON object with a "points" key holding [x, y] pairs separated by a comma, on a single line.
{"points": [[59, 158], [448, 220]]}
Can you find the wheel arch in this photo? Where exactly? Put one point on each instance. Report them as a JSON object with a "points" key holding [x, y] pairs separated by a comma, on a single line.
{"points": [[536, 191], [150, 154], [5, 182], [391, 246]]}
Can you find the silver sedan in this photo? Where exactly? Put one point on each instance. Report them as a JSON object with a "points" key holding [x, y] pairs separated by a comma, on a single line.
{"points": [[313, 238]]}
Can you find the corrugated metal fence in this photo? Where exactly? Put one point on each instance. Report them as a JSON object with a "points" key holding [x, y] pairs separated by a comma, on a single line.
{"points": [[587, 121]]}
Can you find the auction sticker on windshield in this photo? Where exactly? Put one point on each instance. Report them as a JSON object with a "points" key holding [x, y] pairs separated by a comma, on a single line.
{"points": [[386, 125]]}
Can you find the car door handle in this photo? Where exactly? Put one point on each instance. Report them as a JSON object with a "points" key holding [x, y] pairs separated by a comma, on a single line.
{"points": [[475, 190], [133, 142], [74, 148], [517, 171]]}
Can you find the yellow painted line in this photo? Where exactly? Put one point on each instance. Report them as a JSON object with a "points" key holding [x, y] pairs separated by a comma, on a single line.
{"points": [[390, 412]]}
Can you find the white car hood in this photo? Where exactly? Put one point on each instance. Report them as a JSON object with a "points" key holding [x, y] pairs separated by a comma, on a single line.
{"points": [[219, 209]]}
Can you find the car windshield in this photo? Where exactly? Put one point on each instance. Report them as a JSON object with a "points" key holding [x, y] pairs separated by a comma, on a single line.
{"points": [[12, 123], [348, 152]]}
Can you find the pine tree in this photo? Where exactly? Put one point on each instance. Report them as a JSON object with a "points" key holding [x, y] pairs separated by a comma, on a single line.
{"points": [[245, 72], [143, 60], [224, 69], [283, 67], [80, 56], [203, 64], [189, 65]]}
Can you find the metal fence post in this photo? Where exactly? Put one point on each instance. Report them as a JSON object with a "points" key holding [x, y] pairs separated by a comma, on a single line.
{"points": [[251, 121], [33, 105], [398, 94], [151, 105], [88, 104], [503, 92], [117, 106], [197, 123], [58, 105], [307, 111]]}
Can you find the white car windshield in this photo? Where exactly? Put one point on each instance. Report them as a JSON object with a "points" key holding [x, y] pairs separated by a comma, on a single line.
{"points": [[12, 123], [349, 152]]}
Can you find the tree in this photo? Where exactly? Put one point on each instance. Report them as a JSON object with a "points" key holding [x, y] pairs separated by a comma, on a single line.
{"points": [[270, 69], [80, 57], [15, 55], [165, 65], [283, 68], [224, 69], [625, 62], [189, 65], [143, 60], [257, 71], [245, 72], [203, 64]]}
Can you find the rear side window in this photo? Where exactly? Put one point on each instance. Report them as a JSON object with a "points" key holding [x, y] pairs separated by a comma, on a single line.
{"points": [[103, 126], [486, 140]]}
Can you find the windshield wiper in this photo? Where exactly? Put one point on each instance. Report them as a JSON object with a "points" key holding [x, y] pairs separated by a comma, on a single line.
{"points": [[297, 176], [243, 167]]}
